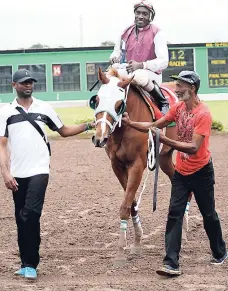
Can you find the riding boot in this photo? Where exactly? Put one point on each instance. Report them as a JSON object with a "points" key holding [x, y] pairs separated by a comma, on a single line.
{"points": [[160, 99]]}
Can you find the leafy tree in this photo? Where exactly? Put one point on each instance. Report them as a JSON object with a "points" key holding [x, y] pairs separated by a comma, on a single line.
{"points": [[38, 46], [107, 43]]}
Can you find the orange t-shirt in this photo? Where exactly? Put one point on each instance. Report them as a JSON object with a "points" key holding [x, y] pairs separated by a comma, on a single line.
{"points": [[196, 121]]}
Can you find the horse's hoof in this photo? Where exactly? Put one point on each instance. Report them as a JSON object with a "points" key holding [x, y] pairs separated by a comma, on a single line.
{"points": [[119, 262], [136, 250]]}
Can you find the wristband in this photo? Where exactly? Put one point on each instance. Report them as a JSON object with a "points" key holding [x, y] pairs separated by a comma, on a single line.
{"points": [[88, 126]]}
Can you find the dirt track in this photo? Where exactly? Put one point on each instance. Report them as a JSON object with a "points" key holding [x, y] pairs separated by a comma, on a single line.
{"points": [[80, 227]]}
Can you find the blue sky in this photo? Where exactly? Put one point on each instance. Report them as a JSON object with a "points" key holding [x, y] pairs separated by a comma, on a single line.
{"points": [[57, 23]]}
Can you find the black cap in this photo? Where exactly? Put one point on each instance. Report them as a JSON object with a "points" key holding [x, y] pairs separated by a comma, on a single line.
{"points": [[23, 75], [190, 77]]}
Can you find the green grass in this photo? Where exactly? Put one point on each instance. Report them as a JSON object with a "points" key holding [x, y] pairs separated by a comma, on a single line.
{"points": [[70, 116], [219, 111]]}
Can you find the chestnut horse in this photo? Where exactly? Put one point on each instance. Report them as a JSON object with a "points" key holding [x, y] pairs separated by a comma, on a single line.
{"points": [[126, 147]]}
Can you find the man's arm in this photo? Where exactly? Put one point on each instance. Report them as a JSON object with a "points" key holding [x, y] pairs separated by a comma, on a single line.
{"points": [[161, 52], [9, 180], [189, 148], [202, 129], [55, 124], [71, 130], [116, 54], [3, 154], [145, 126]]}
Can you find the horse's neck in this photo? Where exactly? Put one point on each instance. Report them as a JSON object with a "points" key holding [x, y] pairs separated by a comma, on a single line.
{"points": [[136, 107], [138, 111]]}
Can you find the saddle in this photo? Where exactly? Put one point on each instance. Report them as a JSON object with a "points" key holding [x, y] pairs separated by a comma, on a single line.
{"points": [[150, 102], [154, 110]]}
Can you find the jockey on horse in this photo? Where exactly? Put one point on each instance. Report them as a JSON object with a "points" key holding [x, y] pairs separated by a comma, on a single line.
{"points": [[143, 50]]}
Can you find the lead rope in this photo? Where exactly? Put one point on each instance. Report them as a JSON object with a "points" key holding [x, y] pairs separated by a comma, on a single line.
{"points": [[150, 161], [156, 169], [125, 100]]}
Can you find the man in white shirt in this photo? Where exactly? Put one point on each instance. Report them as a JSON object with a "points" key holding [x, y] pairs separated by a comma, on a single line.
{"points": [[27, 172], [142, 49]]}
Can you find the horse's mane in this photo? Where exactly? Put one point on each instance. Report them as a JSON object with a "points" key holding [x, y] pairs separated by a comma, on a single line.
{"points": [[112, 72]]}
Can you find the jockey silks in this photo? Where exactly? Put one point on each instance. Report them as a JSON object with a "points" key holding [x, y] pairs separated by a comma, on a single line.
{"points": [[139, 47]]}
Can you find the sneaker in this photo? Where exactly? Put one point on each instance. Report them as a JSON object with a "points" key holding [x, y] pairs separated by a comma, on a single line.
{"points": [[220, 261], [30, 273], [20, 272], [167, 270]]}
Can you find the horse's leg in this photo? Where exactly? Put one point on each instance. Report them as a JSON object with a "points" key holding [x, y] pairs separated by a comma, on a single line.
{"points": [[167, 167], [166, 154], [136, 247], [186, 218], [120, 171], [135, 172]]}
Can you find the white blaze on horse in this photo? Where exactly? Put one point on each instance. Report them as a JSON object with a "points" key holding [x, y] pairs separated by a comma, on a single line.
{"points": [[126, 147]]}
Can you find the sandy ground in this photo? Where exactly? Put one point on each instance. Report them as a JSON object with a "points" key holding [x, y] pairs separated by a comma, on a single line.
{"points": [[80, 227]]}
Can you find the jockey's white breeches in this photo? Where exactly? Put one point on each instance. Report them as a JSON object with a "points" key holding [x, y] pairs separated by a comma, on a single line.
{"points": [[141, 76]]}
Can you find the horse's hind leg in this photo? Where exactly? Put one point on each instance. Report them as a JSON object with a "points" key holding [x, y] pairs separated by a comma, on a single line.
{"points": [[136, 246], [165, 157], [167, 167]]}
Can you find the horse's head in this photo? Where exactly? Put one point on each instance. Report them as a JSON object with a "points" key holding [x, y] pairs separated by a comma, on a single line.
{"points": [[109, 104]]}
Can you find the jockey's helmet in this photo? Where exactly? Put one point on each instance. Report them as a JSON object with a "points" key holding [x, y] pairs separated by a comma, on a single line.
{"points": [[146, 4]]}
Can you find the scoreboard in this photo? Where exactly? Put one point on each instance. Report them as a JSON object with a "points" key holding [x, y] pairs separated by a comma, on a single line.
{"points": [[217, 65], [179, 60]]}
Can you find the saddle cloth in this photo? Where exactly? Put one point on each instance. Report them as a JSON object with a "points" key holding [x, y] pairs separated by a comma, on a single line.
{"points": [[155, 112]]}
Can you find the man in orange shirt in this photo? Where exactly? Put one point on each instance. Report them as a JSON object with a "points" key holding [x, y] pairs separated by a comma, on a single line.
{"points": [[194, 170]]}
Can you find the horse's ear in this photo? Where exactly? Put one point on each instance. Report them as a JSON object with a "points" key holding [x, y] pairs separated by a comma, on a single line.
{"points": [[102, 77], [124, 84]]}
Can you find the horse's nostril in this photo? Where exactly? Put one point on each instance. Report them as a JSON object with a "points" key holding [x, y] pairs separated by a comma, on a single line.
{"points": [[95, 141], [103, 143], [99, 143]]}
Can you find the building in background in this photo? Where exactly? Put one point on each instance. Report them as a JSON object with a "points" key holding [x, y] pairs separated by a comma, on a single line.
{"points": [[69, 73]]}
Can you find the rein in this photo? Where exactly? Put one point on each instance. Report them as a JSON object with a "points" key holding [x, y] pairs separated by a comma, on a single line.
{"points": [[150, 165]]}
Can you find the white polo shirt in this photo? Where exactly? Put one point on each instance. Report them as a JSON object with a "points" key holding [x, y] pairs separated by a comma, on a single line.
{"points": [[29, 154]]}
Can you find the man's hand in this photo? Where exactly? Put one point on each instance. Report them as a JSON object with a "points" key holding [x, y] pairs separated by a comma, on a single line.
{"points": [[114, 60], [92, 124], [133, 65], [126, 119], [154, 130], [10, 181]]}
